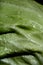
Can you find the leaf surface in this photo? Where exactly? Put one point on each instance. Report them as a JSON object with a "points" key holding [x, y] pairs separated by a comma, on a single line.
{"points": [[21, 32]]}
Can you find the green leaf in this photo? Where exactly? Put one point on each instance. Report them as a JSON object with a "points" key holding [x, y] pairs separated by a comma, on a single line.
{"points": [[21, 32]]}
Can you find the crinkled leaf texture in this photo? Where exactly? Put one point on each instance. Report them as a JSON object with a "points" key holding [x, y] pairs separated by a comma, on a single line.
{"points": [[21, 32]]}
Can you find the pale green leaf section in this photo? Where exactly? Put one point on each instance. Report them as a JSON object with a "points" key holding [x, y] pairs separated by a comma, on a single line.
{"points": [[21, 30]]}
